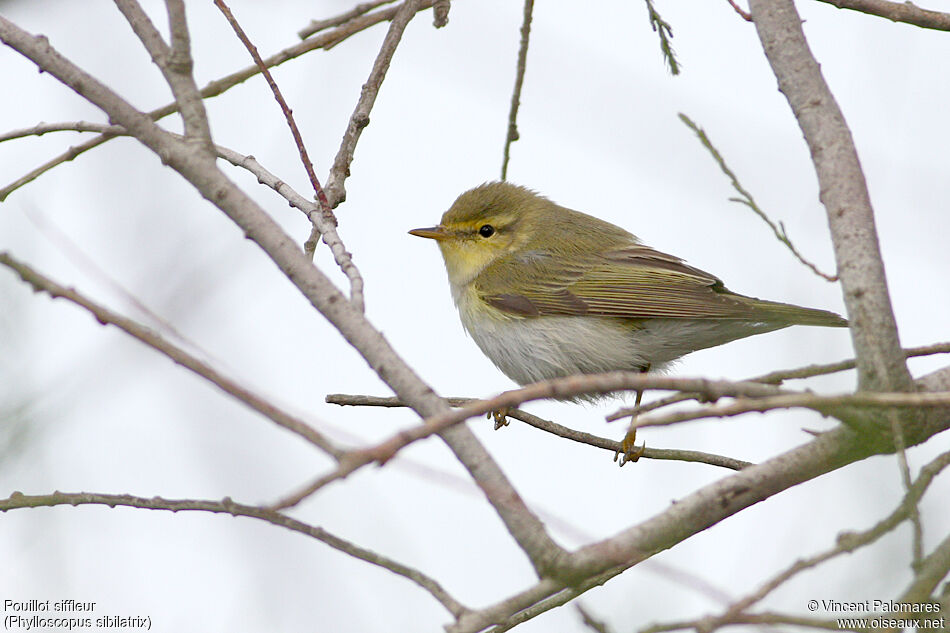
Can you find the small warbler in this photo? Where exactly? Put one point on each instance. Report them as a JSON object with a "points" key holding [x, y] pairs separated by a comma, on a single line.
{"points": [[548, 292]]}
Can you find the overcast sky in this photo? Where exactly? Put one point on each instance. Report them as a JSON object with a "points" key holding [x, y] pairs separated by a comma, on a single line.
{"points": [[85, 408]]}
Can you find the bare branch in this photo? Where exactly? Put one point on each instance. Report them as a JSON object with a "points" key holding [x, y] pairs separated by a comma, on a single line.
{"points": [[599, 562], [70, 126], [846, 543], [314, 213], [556, 388], [178, 355], [594, 624], [202, 172], [175, 63], [778, 377], [907, 12], [322, 217], [742, 13], [826, 405], [179, 74], [768, 618], [749, 201], [929, 572], [512, 134], [336, 192], [219, 86], [844, 193], [560, 388], [440, 13], [556, 429], [18, 500], [288, 113], [328, 230], [316, 26]]}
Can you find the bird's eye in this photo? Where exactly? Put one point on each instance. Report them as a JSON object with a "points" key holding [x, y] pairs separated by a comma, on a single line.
{"points": [[486, 230]]}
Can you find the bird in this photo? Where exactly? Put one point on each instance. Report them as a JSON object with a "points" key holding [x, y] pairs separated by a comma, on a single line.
{"points": [[548, 292]]}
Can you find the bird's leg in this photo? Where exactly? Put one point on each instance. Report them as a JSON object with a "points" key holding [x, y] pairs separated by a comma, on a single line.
{"points": [[632, 452]]}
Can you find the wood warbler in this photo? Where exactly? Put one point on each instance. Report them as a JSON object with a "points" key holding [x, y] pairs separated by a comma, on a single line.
{"points": [[548, 292]]}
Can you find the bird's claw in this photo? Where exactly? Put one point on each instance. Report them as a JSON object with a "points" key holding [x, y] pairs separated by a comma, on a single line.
{"points": [[500, 416], [629, 451]]}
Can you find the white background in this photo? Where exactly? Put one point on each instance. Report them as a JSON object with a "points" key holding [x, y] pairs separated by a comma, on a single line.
{"points": [[83, 407]]}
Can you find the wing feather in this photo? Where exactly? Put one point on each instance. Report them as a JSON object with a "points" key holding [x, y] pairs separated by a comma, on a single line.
{"points": [[632, 282]]}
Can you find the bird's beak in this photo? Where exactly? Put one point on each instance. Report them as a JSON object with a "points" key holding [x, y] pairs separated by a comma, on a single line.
{"points": [[433, 233]]}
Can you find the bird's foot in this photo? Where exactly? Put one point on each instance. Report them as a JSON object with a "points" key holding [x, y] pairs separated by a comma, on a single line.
{"points": [[629, 451], [500, 416]]}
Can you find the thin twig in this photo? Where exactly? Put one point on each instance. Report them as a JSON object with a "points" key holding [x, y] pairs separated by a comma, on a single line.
{"points": [[18, 500], [174, 62], [742, 13], [69, 126], [770, 618], [512, 134], [219, 86], [331, 236], [906, 12], [202, 172], [917, 529], [323, 220], [928, 574], [71, 153], [823, 404], [779, 377], [288, 113], [336, 192], [748, 201], [178, 355], [316, 26], [554, 428], [594, 624]]}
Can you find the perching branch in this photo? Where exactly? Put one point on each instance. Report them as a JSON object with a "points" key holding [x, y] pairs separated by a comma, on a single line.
{"points": [[559, 430]]}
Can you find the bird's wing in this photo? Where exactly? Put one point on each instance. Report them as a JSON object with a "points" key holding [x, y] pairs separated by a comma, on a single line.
{"points": [[633, 282]]}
